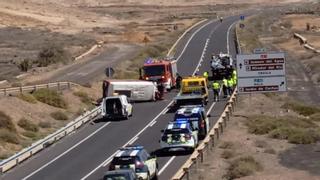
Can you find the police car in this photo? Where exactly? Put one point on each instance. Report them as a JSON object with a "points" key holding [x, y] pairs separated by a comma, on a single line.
{"points": [[179, 136], [197, 117], [138, 159]]}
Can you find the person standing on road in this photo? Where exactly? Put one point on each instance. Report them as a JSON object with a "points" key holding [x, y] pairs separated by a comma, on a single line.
{"points": [[216, 90], [225, 87], [161, 90], [178, 81], [230, 86], [234, 77]]}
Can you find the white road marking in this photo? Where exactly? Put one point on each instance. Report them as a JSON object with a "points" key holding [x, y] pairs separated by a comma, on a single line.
{"points": [[39, 169], [152, 123], [166, 165], [133, 140], [228, 34], [202, 55], [185, 47]]}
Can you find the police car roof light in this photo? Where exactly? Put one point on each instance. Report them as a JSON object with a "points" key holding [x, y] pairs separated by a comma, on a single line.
{"points": [[136, 147]]}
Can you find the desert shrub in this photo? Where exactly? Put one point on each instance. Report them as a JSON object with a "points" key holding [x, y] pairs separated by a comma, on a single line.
{"points": [[9, 136], [59, 115], [270, 151], [261, 144], [50, 97], [44, 124], [243, 166], [28, 98], [261, 124], [304, 136], [31, 135], [83, 97], [6, 122], [226, 145], [25, 65], [28, 125], [315, 117], [301, 109], [16, 84], [52, 54], [227, 154]]}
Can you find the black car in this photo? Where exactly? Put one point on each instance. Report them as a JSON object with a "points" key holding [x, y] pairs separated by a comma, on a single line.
{"points": [[121, 174]]}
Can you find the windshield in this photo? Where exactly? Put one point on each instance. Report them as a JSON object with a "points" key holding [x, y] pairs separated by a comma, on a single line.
{"points": [[176, 131], [115, 177], [124, 160], [154, 70]]}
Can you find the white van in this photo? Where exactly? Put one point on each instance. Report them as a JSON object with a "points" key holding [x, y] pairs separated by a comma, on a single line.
{"points": [[116, 107], [135, 90]]}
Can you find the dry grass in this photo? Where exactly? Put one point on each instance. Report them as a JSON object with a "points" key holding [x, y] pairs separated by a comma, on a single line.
{"points": [[50, 97], [28, 98], [226, 145], [295, 130], [301, 108], [59, 115], [28, 125], [6, 122], [44, 124], [9, 136], [84, 97], [241, 167], [228, 154]]}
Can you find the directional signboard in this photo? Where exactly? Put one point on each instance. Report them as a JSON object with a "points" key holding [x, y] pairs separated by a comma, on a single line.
{"points": [[262, 84], [253, 65], [261, 72]]}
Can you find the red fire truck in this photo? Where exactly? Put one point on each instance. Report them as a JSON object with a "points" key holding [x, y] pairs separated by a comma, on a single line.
{"points": [[160, 71]]}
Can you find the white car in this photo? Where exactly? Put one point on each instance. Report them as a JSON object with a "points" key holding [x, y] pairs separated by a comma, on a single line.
{"points": [[179, 136], [137, 159], [116, 107]]}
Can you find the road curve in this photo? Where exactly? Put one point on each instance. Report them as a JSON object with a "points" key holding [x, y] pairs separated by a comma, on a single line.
{"points": [[86, 153]]}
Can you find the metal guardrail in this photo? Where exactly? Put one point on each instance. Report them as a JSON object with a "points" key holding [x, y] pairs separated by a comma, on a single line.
{"points": [[208, 143], [21, 89], [36, 147]]}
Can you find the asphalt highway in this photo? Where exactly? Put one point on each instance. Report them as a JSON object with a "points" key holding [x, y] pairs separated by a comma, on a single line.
{"points": [[86, 153]]}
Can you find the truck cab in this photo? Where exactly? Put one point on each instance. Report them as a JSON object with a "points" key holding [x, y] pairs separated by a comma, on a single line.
{"points": [[115, 107], [194, 91], [161, 71]]}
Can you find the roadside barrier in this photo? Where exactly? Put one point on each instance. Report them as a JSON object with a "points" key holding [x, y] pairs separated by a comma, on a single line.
{"points": [[22, 89], [208, 143], [36, 147], [303, 41]]}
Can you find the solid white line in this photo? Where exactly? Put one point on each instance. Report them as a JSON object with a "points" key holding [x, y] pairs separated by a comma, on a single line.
{"points": [[185, 47], [201, 58], [209, 110], [166, 165], [36, 171], [154, 122], [133, 140], [228, 33]]}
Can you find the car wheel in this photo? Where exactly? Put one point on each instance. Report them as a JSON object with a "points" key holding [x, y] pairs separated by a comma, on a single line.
{"points": [[155, 176]]}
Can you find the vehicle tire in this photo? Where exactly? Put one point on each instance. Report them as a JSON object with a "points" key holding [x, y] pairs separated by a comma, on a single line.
{"points": [[148, 176], [155, 176]]}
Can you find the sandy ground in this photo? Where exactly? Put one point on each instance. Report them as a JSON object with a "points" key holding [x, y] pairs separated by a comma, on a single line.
{"points": [[245, 144]]}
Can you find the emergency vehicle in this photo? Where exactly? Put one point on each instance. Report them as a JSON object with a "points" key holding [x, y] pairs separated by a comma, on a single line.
{"points": [[194, 91], [197, 118], [179, 136], [138, 159], [161, 71]]}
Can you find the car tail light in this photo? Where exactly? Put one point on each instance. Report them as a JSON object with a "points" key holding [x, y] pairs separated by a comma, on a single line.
{"points": [[162, 77], [147, 78], [112, 167], [187, 136], [139, 165], [202, 124]]}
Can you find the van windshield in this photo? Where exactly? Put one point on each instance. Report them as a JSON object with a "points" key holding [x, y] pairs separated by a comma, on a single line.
{"points": [[154, 70]]}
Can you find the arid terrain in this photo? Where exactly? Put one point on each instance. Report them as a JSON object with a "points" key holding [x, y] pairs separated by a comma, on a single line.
{"points": [[36, 30]]}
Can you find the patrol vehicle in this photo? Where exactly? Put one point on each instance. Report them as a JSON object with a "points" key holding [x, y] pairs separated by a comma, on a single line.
{"points": [[197, 117], [138, 159], [179, 136]]}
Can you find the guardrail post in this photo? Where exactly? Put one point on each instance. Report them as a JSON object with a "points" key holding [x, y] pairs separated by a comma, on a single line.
{"points": [[200, 151], [186, 171], [216, 131], [230, 109], [224, 119], [58, 86], [227, 115], [5, 91], [69, 85], [212, 141], [34, 87], [21, 89], [221, 127]]}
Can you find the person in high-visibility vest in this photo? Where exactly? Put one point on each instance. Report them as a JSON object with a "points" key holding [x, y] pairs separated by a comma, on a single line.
{"points": [[225, 87], [206, 74], [234, 77], [216, 90], [230, 86]]}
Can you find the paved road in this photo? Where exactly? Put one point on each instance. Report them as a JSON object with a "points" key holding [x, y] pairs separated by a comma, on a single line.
{"points": [[86, 153]]}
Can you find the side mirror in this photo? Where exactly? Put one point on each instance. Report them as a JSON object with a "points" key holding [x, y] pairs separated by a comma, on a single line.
{"points": [[152, 156]]}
